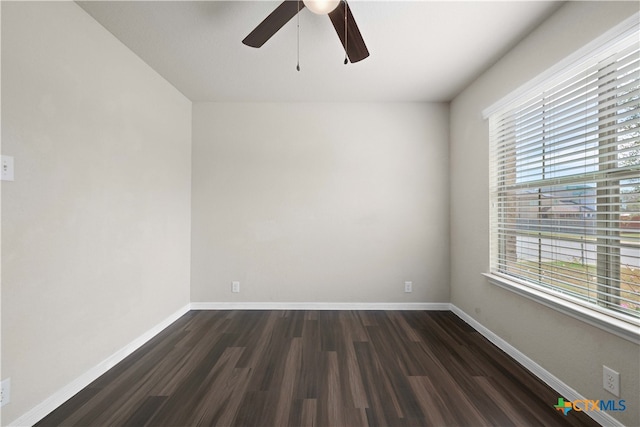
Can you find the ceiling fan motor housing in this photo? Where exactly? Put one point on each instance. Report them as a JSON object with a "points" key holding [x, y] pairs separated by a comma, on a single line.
{"points": [[321, 7]]}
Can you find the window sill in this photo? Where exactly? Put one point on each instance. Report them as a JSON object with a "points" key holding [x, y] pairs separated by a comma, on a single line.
{"points": [[628, 330]]}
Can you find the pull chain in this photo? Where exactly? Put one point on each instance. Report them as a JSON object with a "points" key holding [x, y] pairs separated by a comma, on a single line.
{"points": [[298, 17], [346, 59]]}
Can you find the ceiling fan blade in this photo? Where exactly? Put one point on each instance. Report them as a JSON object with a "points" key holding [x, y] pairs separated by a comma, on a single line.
{"points": [[272, 23], [354, 46]]}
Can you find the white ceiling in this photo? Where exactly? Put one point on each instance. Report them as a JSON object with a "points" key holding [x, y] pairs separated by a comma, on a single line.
{"points": [[420, 50]]}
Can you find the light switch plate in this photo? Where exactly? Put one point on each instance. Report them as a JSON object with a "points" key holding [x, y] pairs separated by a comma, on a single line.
{"points": [[5, 392], [6, 173]]}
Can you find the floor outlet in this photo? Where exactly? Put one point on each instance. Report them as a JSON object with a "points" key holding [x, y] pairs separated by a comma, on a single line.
{"points": [[408, 287], [5, 392], [611, 381], [235, 287]]}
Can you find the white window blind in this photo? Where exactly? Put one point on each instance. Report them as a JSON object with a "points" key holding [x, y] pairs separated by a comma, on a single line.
{"points": [[565, 185]]}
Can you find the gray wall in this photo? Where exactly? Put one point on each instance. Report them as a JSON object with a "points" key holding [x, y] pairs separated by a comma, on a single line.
{"points": [[96, 226], [571, 350], [320, 202]]}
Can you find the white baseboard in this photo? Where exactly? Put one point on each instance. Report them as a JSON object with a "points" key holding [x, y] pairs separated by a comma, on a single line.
{"points": [[547, 377], [58, 398], [438, 306]]}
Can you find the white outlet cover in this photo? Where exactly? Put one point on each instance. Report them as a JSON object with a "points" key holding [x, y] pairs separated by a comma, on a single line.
{"points": [[611, 381], [408, 287], [235, 286]]}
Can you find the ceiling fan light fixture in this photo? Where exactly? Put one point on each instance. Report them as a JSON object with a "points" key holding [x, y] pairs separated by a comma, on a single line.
{"points": [[321, 7]]}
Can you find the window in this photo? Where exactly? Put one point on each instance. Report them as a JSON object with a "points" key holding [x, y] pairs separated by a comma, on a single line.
{"points": [[565, 184]]}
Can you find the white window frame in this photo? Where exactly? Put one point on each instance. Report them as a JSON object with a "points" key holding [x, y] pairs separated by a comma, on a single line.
{"points": [[628, 328]]}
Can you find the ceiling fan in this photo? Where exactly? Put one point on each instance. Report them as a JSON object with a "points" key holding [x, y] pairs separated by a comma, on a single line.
{"points": [[338, 11]]}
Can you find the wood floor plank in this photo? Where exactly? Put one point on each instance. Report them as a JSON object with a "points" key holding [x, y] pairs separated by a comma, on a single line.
{"points": [[303, 413], [293, 366], [316, 368], [307, 386], [381, 411], [143, 414]]}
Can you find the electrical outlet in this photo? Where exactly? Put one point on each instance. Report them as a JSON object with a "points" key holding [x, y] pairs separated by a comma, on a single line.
{"points": [[235, 287], [611, 381], [408, 287], [5, 392]]}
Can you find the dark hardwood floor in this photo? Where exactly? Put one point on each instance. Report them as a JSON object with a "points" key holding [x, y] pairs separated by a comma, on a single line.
{"points": [[316, 368]]}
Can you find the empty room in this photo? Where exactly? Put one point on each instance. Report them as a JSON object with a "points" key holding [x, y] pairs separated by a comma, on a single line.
{"points": [[320, 213]]}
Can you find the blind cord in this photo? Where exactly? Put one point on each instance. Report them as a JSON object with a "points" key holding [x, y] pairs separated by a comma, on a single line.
{"points": [[346, 58], [298, 22]]}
